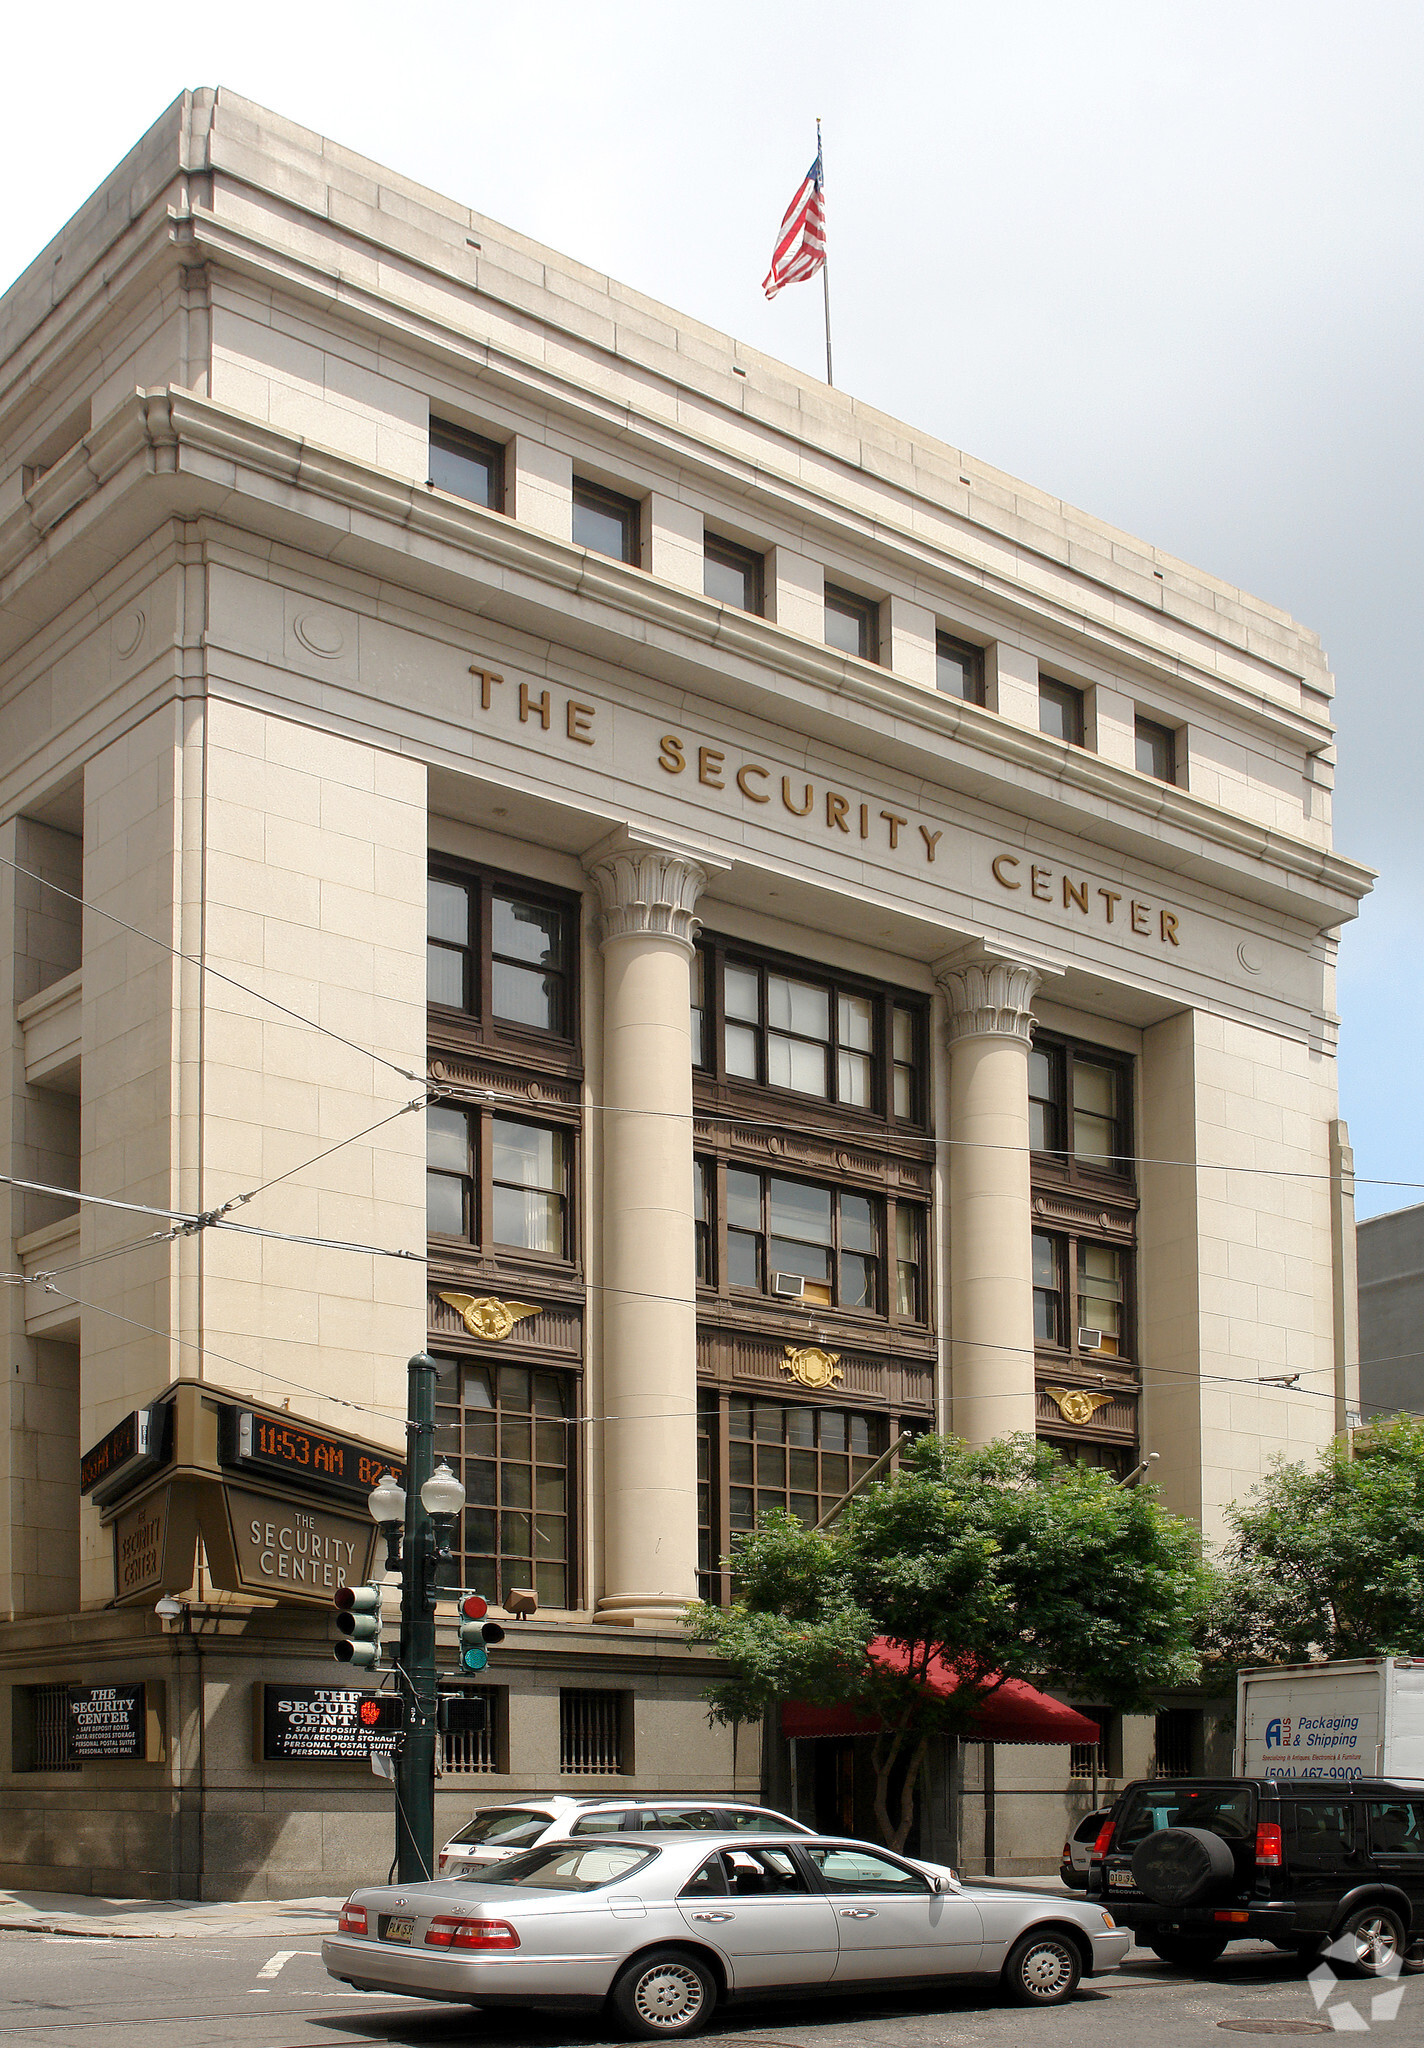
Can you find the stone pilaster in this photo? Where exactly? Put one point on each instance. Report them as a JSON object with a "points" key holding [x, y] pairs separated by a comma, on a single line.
{"points": [[649, 891]]}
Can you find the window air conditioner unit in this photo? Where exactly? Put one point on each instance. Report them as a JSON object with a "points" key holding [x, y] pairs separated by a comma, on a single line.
{"points": [[790, 1286], [1090, 1340]]}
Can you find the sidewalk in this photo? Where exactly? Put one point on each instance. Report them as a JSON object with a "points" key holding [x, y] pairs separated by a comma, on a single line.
{"points": [[160, 1919], [104, 1919]]}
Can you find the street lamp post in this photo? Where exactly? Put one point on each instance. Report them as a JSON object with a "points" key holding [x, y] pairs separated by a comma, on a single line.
{"points": [[431, 1501]]}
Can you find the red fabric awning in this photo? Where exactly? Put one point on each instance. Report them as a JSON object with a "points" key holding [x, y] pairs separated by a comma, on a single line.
{"points": [[1016, 1712]]}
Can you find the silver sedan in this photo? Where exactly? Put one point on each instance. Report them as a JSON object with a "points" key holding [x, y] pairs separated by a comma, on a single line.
{"points": [[666, 1929]]}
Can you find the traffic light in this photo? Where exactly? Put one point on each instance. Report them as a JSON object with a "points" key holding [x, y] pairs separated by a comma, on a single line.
{"points": [[381, 1712], [477, 1634], [358, 1618], [461, 1713]]}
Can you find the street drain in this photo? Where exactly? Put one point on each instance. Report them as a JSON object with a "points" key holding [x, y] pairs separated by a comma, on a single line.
{"points": [[1275, 2026]]}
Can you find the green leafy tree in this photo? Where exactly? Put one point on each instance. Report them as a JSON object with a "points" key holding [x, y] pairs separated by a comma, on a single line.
{"points": [[1327, 1560], [1008, 1562]]}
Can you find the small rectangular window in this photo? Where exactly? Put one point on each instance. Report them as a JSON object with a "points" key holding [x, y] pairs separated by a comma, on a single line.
{"points": [[605, 523], [1045, 1099], [731, 574], [959, 669], [1048, 1320], [907, 1064], [1097, 1116], [467, 466], [527, 955], [1060, 711], [448, 976], [1156, 751], [1100, 1296], [852, 623], [702, 1198], [449, 1180], [477, 1749], [590, 1731], [529, 1174], [909, 1262]]}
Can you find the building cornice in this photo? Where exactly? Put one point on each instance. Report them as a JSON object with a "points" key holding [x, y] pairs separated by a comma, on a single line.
{"points": [[996, 566], [193, 458]]}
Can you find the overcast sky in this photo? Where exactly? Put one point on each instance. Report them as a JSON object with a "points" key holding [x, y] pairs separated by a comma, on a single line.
{"points": [[1163, 260]]}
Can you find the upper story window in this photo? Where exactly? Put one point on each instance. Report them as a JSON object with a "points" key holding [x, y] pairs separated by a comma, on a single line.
{"points": [[856, 1046], [823, 1246], [500, 954], [1078, 1107], [852, 623], [781, 1231], [508, 1431], [497, 1181], [1156, 750], [732, 574], [466, 465], [959, 669], [1080, 1295], [1060, 711], [606, 523]]}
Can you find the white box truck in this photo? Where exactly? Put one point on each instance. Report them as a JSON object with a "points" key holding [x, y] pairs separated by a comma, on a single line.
{"points": [[1360, 1718]]}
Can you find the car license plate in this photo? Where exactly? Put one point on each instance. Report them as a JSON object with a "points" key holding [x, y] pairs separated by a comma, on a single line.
{"points": [[1121, 1880], [399, 1930]]}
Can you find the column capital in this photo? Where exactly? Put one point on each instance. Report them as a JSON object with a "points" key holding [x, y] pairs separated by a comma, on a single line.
{"points": [[989, 992], [649, 885]]}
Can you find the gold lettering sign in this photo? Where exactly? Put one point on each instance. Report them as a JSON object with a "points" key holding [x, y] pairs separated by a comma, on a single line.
{"points": [[486, 1318], [1070, 892], [294, 1553], [813, 1367], [1075, 1404]]}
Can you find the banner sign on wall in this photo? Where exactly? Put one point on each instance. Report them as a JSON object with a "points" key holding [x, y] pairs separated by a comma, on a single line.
{"points": [[322, 1724], [106, 1724]]}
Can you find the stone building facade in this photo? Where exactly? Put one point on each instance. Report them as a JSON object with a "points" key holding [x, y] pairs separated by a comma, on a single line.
{"points": [[532, 830]]}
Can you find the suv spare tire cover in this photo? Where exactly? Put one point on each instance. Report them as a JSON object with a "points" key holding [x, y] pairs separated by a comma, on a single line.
{"points": [[1177, 1866]]}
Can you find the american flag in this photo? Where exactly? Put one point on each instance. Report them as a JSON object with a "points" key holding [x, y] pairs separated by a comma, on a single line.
{"points": [[801, 243]]}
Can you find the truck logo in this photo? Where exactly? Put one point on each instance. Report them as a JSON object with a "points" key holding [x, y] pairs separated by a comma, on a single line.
{"points": [[1278, 1732]]}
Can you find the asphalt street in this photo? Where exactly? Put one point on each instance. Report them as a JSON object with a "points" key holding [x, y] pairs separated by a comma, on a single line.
{"points": [[251, 1992]]}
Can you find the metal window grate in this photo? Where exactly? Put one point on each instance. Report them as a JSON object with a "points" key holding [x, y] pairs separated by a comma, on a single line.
{"points": [[477, 1750], [1090, 1759], [590, 1732], [51, 1725], [1176, 1742]]}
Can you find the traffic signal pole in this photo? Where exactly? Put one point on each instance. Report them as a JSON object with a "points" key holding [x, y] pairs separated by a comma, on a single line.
{"points": [[415, 1758]]}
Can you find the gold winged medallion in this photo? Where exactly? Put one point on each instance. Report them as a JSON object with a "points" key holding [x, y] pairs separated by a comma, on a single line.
{"points": [[485, 1317], [813, 1367], [1076, 1405]]}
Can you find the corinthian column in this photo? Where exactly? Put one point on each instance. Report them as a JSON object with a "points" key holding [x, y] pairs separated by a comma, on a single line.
{"points": [[649, 1276], [990, 1213]]}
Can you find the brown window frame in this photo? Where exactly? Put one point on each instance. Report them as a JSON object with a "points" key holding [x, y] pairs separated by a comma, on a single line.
{"points": [[966, 657], [476, 1017], [1058, 1159], [594, 497], [479, 1185], [455, 1420], [730, 554], [1067, 1244], [1068, 696], [1148, 732], [841, 603], [460, 441], [715, 1466], [714, 955]]}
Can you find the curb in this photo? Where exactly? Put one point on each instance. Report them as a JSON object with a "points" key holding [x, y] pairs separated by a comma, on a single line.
{"points": [[89, 1933]]}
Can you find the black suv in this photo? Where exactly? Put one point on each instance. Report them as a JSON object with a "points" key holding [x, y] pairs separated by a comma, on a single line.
{"points": [[1191, 1864]]}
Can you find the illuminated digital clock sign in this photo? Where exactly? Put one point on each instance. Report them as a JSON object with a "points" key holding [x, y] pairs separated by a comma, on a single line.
{"points": [[312, 1460]]}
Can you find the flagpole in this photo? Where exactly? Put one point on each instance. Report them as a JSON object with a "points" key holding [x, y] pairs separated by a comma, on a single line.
{"points": [[825, 264]]}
